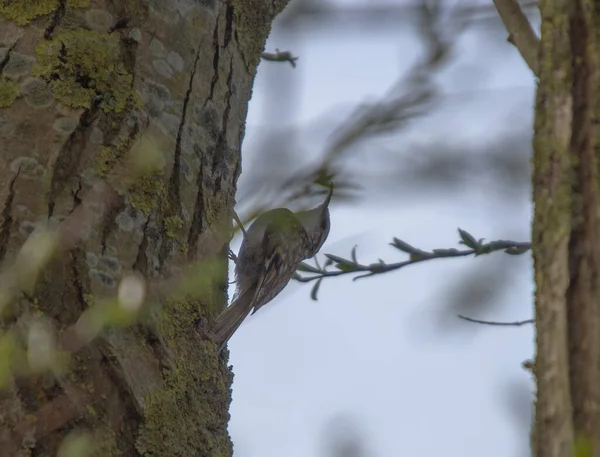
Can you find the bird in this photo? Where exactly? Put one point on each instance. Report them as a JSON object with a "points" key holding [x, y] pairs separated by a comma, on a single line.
{"points": [[271, 251]]}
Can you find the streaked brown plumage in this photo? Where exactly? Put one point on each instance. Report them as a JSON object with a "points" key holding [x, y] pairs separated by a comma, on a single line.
{"points": [[275, 244]]}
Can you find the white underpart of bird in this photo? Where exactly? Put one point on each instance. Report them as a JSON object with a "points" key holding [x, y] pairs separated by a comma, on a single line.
{"points": [[273, 247]]}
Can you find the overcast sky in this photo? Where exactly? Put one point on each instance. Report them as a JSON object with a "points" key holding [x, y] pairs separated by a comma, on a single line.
{"points": [[385, 358]]}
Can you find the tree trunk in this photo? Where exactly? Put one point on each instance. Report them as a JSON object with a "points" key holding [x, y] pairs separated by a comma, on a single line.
{"points": [[120, 132], [566, 232]]}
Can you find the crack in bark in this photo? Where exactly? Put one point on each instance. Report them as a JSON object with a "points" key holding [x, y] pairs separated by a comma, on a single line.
{"points": [[219, 156], [216, 47], [6, 214], [174, 181], [68, 158], [129, 56], [109, 222], [59, 13], [199, 207], [6, 58], [141, 259], [228, 25], [76, 197], [75, 264], [122, 23]]}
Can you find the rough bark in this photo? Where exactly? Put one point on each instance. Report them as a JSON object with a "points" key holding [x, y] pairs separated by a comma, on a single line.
{"points": [[565, 232], [91, 93]]}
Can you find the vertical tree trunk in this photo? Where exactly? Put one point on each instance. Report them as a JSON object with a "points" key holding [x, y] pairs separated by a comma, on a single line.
{"points": [[566, 232], [120, 127]]}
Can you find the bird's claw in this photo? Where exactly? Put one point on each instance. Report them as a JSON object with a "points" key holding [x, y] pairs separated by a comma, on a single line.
{"points": [[232, 256]]}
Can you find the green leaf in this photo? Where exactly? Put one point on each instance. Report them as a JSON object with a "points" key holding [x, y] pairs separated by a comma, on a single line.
{"points": [[307, 268], [315, 289], [336, 259], [468, 240], [353, 254], [345, 267], [403, 246], [515, 250]]}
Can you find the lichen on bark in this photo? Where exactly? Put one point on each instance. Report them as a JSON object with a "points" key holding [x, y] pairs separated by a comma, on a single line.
{"points": [[84, 68]]}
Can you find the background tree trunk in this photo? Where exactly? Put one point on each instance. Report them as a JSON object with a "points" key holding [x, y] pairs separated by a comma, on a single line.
{"points": [[120, 127], [565, 232]]}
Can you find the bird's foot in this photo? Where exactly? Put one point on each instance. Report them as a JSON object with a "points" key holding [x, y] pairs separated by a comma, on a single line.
{"points": [[232, 256]]}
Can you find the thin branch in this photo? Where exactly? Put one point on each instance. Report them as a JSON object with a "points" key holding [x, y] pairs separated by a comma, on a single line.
{"points": [[280, 56], [505, 324], [349, 266], [520, 32]]}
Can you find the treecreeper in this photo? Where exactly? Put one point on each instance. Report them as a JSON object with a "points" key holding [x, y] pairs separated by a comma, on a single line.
{"points": [[272, 249]]}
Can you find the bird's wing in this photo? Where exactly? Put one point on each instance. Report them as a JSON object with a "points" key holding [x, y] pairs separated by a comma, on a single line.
{"points": [[280, 242]]}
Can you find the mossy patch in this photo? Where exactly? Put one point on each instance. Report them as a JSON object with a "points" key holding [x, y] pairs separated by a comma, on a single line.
{"points": [[189, 416], [23, 11], [148, 192], [110, 155], [172, 225], [105, 160], [84, 68], [9, 91]]}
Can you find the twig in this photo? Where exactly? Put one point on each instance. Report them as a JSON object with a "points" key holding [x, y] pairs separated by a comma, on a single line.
{"points": [[280, 56], [520, 32], [505, 324], [349, 266]]}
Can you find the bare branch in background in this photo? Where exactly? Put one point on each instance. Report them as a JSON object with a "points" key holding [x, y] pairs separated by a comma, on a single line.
{"points": [[378, 14], [505, 324], [520, 32], [411, 96]]}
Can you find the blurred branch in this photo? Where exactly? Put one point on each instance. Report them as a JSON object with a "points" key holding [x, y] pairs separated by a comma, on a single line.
{"points": [[411, 96], [280, 56], [349, 266], [506, 324], [520, 32], [381, 14], [408, 98]]}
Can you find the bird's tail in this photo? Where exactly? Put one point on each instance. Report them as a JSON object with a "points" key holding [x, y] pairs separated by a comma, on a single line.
{"points": [[232, 317]]}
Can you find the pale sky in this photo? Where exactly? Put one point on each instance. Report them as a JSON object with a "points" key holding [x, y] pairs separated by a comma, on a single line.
{"points": [[386, 354]]}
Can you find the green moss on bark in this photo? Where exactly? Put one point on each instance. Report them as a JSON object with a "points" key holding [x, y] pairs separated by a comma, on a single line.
{"points": [[23, 11], [173, 225], [84, 68], [189, 415], [148, 192], [9, 91]]}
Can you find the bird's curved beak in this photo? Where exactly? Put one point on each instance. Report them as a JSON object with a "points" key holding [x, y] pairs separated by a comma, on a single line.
{"points": [[325, 204]]}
